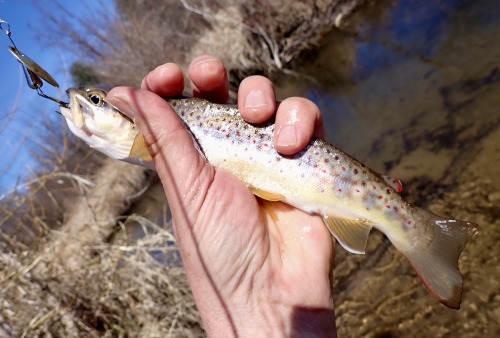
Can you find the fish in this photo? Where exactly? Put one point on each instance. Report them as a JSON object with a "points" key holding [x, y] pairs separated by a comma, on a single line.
{"points": [[320, 180]]}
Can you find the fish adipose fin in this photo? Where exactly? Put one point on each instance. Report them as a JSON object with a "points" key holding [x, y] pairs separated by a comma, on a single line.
{"points": [[436, 263], [139, 149], [352, 234], [395, 183]]}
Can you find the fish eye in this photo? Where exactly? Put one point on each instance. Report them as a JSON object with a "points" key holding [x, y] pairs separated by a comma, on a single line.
{"points": [[96, 99]]}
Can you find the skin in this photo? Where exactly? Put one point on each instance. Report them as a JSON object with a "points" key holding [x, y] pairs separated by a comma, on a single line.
{"points": [[251, 275]]}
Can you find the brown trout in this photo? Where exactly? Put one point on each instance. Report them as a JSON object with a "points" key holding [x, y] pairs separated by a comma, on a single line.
{"points": [[321, 179]]}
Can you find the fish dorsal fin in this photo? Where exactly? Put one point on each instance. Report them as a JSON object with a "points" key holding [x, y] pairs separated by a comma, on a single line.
{"points": [[266, 195], [140, 149], [352, 234], [395, 183]]}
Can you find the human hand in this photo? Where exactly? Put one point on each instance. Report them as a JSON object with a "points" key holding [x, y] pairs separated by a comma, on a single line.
{"points": [[251, 275]]}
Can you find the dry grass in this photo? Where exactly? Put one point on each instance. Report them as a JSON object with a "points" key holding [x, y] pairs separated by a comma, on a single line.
{"points": [[86, 248]]}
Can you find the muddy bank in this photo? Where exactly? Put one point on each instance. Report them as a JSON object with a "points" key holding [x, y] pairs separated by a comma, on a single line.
{"points": [[418, 98]]}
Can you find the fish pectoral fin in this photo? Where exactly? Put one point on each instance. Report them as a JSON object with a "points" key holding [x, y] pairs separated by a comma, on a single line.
{"points": [[266, 195], [395, 183], [352, 234], [139, 149]]}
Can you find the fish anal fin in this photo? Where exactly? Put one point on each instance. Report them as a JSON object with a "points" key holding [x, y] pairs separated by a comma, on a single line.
{"points": [[139, 149], [352, 234], [266, 195], [395, 183]]}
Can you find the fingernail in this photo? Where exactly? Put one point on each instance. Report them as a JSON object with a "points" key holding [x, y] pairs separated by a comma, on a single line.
{"points": [[121, 103], [287, 136], [255, 100]]}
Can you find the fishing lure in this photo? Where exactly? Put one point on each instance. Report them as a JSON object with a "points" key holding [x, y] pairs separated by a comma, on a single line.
{"points": [[33, 72]]}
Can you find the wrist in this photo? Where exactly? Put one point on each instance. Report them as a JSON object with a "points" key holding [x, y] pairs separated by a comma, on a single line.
{"points": [[268, 319]]}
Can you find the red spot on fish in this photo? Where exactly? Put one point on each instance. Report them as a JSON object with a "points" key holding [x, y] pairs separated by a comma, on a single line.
{"points": [[357, 190], [322, 190], [374, 187], [364, 172], [343, 168], [402, 207], [363, 183], [395, 209], [339, 190], [278, 158], [409, 222], [265, 144], [379, 197], [388, 206], [327, 160]]}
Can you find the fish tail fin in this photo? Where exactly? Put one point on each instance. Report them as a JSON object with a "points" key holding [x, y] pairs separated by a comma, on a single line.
{"points": [[435, 257]]}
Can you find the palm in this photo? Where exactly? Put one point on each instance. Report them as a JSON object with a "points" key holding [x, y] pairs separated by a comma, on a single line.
{"points": [[249, 243]]}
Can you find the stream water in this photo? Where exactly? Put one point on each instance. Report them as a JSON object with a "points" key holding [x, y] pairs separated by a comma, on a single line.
{"points": [[412, 89]]}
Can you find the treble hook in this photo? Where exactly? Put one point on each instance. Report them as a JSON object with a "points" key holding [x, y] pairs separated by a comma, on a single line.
{"points": [[33, 72]]}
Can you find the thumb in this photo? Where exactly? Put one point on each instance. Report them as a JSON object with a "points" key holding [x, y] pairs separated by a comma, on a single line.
{"points": [[184, 172]]}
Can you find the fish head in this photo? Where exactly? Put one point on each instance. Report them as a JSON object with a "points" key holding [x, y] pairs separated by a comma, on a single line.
{"points": [[98, 123]]}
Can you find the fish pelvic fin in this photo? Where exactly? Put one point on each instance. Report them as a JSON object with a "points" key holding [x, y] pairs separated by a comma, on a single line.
{"points": [[265, 199], [436, 264], [352, 234], [266, 195]]}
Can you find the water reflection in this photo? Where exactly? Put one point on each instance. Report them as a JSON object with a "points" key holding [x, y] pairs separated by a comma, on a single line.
{"points": [[412, 88]]}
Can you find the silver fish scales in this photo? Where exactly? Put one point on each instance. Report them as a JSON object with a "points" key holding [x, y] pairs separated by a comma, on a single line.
{"points": [[321, 179]]}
